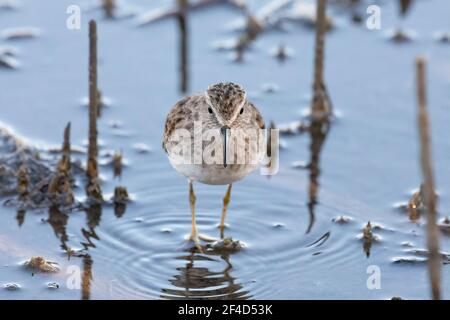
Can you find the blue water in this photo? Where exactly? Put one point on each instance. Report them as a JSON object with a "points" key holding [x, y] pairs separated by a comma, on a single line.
{"points": [[368, 162]]}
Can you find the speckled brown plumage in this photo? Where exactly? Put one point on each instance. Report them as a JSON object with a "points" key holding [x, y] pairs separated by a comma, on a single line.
{"points": [[229, 148], [222, 105], [226, 96]]}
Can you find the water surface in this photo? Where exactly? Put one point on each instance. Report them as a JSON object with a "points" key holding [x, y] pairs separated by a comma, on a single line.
{"points": [[293, 249]]}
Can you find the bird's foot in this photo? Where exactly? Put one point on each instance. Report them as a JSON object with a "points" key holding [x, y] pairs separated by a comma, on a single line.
{"points": [[194, 237]]}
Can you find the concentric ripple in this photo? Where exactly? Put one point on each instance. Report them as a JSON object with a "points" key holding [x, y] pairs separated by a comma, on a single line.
{"points": [[150, 257]]}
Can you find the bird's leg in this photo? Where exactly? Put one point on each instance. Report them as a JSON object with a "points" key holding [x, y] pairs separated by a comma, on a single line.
{"points": [[194, 233], [226, 201]]}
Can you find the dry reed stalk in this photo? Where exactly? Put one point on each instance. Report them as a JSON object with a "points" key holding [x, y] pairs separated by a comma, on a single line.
{"points": [[109, 6], [22, 181], [99, 103], [93, 188], [121, 194], [183, 45], [117, 163], [434, 261], [321, 106], [60, 184], [64, 164]]}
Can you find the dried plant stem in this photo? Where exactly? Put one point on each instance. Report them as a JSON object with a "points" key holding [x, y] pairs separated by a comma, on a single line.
{"points": [[109, 6], [92, 165], [92, 170], [22, 181], [151, 17], [321, 29], [60, 187], [117, 163], [321, 105], [64, 164], [183, 46], [434, 262]]}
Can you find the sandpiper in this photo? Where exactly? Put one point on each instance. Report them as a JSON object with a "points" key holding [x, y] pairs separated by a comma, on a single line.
{"points": [[201, 140]]}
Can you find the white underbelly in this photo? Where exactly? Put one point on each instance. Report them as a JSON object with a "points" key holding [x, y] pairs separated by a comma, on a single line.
{"points": [[214, 174]]}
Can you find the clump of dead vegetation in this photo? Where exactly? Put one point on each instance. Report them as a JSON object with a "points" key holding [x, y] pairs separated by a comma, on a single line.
{"points": [[28, 181], [41, 265]]}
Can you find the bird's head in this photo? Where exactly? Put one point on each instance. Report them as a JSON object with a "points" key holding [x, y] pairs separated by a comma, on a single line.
{"points": [[226, 102]]}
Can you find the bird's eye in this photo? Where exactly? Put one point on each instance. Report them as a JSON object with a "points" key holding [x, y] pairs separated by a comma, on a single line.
{"points": [[210, 110], [242, 111]]}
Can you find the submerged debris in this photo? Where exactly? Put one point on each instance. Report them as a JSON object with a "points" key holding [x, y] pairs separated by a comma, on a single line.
{"points": [[60, 187], [421, 256], [12, 286], [226, 245], [20, 168], [368, 238], [22, 181], [442, 36], [39, 264], [407, 244], [445, 225], [120, 200], [282, 53], [121, 195], [367, 232], [53, 285], [279, 225], [25, 174], [8, 4], [342, 219], [20, 33], [401, 35], [9, 62], [270, 88], [141, 148], [296, 127], [117, 163], [416, 205]]}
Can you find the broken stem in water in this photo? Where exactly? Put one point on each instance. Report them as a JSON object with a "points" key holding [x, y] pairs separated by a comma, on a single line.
{"points": [[321, 105], [59, 189], [434, 262], [64, 163], [109, 6], [93, 188]]}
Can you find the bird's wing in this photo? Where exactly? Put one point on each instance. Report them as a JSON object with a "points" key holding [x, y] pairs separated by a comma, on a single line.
{"points": [[180, 117], [258, 118]]}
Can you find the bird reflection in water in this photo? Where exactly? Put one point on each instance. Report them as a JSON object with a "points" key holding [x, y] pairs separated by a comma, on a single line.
{"points": [[196, 281]]}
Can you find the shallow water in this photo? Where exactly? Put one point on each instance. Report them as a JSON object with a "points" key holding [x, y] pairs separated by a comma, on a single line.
{"points": [[368, 162]]}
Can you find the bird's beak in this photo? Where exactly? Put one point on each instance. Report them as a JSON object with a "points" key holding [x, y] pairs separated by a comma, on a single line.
{"points": [[224, 133]]}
